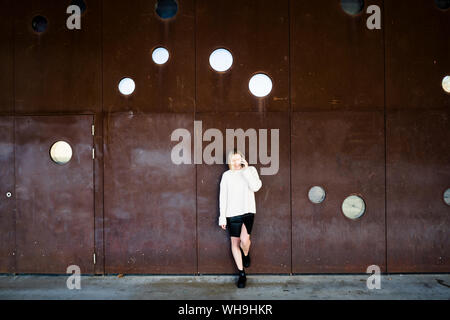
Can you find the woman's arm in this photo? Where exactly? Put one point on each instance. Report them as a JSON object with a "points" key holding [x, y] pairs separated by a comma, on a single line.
{"points": [[252, 177], [223, 201]]}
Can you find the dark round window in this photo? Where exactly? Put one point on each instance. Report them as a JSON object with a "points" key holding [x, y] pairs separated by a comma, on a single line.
{"points": [[352, 6], [80, 3], [166, 8], [443, 4], [39, 24]]}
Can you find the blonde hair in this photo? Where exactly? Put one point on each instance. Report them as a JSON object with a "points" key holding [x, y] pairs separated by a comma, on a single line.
{"points": [[232, 153]]}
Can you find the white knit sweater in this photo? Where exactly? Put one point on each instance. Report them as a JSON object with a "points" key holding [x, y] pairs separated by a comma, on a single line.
{"points": [[237, 192]]}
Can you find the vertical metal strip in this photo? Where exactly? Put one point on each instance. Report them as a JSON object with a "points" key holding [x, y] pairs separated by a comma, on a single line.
{"points": [[383, 25], [14, 134], [195, 110], [102, 140], [93, 183], [290, 123]]}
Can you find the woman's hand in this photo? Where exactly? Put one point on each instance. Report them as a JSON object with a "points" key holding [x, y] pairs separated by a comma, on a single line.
{"points": [[224, 226], [245, 163]]}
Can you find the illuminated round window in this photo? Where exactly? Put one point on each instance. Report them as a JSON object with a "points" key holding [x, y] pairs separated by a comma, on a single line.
{"points": [[126, 86], [39, 24], [446, 84], [447, 196], [61, 152], [316, 194], [160, 55], [353, 207], [221, 59], [166, 9], [443, 4], [260, 85], [352, 7]]}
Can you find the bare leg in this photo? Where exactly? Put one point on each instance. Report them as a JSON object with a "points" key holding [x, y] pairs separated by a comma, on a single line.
{"points": [[245, 240], [236, 252]]}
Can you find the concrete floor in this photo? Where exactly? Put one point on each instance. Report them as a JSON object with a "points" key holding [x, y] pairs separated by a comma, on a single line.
{"points": [[221, 287]]}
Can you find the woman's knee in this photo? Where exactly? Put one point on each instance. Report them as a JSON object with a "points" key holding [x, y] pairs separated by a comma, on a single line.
{"points": [[235, 241], [245, 240]]}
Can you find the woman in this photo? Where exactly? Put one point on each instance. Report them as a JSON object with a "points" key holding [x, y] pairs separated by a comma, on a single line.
{"points": [[237, 208]]}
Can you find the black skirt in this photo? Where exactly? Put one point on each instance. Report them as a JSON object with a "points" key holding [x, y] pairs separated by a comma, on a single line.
{"points": [[234, 224]]}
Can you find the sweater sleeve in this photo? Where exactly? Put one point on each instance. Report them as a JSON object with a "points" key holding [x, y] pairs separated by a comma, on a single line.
{"points": [[251, 175], [223, 201]]}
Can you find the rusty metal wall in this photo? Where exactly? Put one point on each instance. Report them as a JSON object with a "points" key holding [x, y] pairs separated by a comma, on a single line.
{"points": [[60, 69], [55, 203], [337, 63], [271, 232], [418, 173], [337, 96], [417, 53], [60, 72], [7, 204], [342, 152], [358, 111], [161, 234], [224, 101], [244, 28], [131, 30], [7, 61], [150, 205], [417, 135]]}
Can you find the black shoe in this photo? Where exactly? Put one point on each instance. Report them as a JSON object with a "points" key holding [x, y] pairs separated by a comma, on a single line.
{"points": [[242, 279], [245, 259]]}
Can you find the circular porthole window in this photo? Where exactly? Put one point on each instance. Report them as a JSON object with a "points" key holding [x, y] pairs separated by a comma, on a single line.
{"points": [[352, 7], [260, 85], [61, 152], [353, 207], [166, 9], [316, 194], [221, 60], [442, 4], [160, 55], [80, 3], [126, 86], [39, 24], [447, 196], [446, 84]]}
